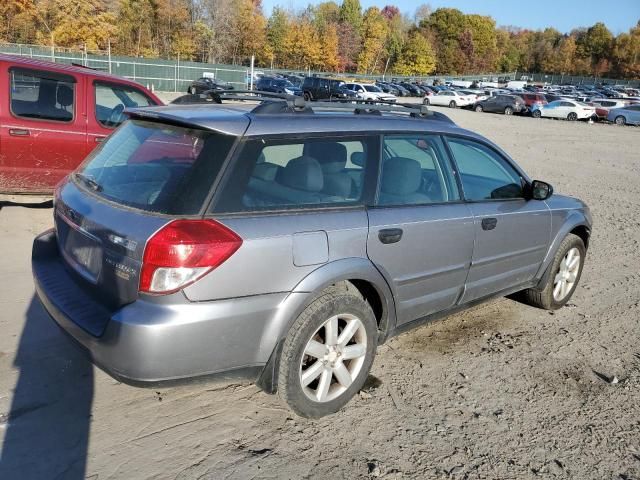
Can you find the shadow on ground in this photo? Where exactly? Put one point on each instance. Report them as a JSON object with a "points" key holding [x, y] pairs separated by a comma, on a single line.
{"points": [[47, 427]]}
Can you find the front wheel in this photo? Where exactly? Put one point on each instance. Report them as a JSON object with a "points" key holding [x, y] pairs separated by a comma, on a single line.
{"points": [[452, 104], [508, 111], [572, 117], [328, 352], [193, 90], [563, 277], [425, 101], [478, 108], [307, 96], [536, 114], [620, 120]]}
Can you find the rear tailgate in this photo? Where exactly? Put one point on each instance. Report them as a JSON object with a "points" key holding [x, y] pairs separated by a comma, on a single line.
{"points": [[102, 245]]}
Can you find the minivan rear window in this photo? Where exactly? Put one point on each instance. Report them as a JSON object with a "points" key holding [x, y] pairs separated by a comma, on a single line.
{"points": [[156, 167]]}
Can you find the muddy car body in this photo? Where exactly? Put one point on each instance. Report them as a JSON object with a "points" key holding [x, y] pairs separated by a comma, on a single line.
{"points": [[53, 116]]}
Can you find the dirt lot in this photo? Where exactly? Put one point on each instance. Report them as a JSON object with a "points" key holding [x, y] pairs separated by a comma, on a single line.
{"points": [[502, 391]]}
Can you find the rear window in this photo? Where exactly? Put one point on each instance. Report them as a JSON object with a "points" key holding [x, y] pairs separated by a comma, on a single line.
{"points": [[156, 167]]}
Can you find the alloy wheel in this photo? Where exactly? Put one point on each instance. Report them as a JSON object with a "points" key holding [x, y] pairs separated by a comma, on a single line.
{"points": [[567, 275], [333, 357]]}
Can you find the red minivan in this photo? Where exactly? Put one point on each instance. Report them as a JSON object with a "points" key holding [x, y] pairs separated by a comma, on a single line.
{"points": [[52, 115]]}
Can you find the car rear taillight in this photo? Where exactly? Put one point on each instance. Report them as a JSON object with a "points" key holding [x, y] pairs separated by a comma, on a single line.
{"points": [[182, 252]]}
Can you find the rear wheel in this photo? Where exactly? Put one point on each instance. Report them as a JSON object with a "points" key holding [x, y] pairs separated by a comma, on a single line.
{"points": [[572, 117], [425, 101], [328, 352], [478, 108], [620, 120], [508, 111], [536, 114], [307, 96], [563, 278], [452, 104], [193, 90]]}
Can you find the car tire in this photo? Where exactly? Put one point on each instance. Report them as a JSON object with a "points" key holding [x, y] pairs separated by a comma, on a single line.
{"points": [[426, 101], [194, 91], [452, 104], [572, 117], [620, 120], [508, 111], [308, 352], [544, 296], [307, 96], [478, 108], [536, 114]]}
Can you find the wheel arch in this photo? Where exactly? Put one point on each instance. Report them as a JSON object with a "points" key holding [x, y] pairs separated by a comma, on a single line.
{"points": [[576, 223], [360, 272]]}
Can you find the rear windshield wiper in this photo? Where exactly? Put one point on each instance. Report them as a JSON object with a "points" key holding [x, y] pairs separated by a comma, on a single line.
{"points": [[89, 181]]}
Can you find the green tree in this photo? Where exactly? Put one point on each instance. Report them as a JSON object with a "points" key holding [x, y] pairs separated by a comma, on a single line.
{"points": [[277, 28], [351, 13], [417, 57], [626, 53]]}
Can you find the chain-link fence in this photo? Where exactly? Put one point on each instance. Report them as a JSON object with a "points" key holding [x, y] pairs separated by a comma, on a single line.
{"points": [[176, 75]]}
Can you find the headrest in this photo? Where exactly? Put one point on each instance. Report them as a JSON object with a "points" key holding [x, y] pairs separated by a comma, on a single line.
{"points": [[401, 176], [265, 171], [357, 158], [64, 96], [302, 173], [331, 155]]}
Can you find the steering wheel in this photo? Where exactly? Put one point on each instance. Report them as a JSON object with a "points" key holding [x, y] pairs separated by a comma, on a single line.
{"points": [[116, 115]]}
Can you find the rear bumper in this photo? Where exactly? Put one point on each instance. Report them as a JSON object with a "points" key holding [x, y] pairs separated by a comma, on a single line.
{"points": [[157, 339]]}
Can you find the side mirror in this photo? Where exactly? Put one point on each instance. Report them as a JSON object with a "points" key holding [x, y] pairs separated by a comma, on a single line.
{"points": [[540, 190]]}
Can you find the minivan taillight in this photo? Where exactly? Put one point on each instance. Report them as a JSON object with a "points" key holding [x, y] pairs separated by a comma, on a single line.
{"points": [[182, 252]]}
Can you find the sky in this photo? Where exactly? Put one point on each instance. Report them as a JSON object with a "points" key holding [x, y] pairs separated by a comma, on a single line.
{"points": [[564, 15]]}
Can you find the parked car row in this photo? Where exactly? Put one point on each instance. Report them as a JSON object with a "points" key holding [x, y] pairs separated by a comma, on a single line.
{"points": [[540, 102]]}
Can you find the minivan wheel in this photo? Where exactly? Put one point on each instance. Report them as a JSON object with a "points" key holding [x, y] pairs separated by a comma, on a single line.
{"points": [[572, 117], [620, 120], [478, 108], [328, 352], [508, 111], [452, 104], [563, 277]]}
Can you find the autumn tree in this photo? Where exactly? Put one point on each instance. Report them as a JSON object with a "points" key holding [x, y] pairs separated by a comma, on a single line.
{"points": [[417, 57], [351, 13], [374, 37]]}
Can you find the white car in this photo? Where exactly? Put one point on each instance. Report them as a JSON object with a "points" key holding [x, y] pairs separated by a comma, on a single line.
{"points": [[367, 91], [569, 109], [450, 98]]}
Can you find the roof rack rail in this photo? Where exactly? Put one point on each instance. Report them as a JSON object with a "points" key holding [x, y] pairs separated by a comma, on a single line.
{"points": [[271, 103]]}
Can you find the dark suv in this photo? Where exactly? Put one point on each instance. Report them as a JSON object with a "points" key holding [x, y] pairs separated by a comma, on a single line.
{"points": [[289, 241], [319, 88], [507, 104]]}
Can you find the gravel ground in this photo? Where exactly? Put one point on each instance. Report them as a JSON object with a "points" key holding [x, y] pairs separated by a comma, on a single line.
{"points": [[501, 391]]}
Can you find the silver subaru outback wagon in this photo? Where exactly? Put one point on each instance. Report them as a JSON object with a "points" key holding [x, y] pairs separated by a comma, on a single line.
{"points": [[288, 241]]}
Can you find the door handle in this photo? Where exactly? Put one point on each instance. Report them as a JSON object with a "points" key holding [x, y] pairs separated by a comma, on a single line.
{"points": [[390, 235], [98, 139], [19, 132], [489, 223]]}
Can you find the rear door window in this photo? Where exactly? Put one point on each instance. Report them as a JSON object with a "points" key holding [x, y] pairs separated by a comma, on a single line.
{"points": [[42, 95], [112, 99], [306, 173], [156, 167], [415, 170]]}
